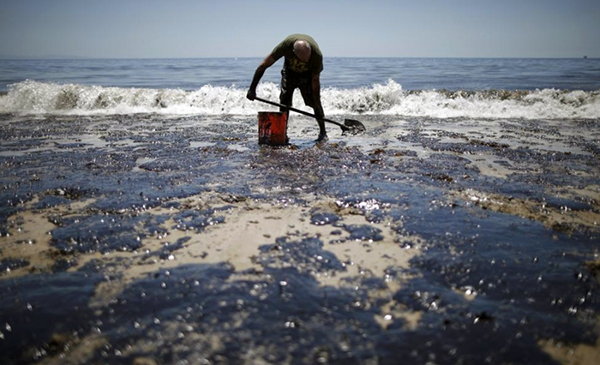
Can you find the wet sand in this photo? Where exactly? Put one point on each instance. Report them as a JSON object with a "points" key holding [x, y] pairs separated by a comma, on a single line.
{"points": [[149, 240]]}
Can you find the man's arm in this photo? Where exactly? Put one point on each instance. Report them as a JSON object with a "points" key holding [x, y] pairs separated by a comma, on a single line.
{"points": [[258, 74]]}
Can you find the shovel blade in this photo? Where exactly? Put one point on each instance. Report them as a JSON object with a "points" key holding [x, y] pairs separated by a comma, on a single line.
{"points": [[353, 127]]}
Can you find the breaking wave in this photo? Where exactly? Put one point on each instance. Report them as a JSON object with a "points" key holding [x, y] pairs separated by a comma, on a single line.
{"points": [[32, 97]]}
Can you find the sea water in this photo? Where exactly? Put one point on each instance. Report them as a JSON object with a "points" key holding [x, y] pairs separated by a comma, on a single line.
{"points": [[418, 87]]}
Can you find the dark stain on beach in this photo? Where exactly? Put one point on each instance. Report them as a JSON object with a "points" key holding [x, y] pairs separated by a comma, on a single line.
{"points": [[490, 285]]}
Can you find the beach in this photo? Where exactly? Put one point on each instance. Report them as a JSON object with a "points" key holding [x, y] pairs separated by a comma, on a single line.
{"points": [[461, 228], [143, 224]]}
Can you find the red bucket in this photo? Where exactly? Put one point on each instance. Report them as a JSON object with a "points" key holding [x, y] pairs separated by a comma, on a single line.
{"points": [[272, 128]]}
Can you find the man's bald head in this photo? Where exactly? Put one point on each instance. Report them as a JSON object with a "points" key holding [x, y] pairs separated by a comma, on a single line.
{"points": [[302, 50]]}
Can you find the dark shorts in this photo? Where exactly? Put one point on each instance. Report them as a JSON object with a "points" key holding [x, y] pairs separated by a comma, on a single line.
{"points": [[291, 81]]}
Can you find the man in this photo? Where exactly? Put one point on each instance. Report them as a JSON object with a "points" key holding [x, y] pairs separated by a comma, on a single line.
{"points": [[301, 70]]}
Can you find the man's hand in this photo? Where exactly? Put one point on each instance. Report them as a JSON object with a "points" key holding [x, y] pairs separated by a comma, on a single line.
{"points": [[251, 94]]}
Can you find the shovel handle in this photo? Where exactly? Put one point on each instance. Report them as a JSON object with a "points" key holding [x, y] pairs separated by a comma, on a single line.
{"points": [[299, 111]]}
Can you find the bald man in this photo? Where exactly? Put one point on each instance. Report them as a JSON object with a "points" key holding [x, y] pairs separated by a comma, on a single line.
{"points": [[301, 70]]}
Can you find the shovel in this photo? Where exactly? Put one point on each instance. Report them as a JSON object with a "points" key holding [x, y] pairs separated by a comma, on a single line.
{"points": [[350, 126]]}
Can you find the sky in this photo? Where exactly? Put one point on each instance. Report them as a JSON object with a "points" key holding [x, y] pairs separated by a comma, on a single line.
{"points": [[343, 28]]}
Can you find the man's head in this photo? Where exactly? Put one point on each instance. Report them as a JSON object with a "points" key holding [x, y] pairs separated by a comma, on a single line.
{"points": [[302, 50]]}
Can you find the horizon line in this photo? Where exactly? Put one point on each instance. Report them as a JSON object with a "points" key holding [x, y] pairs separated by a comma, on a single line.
{"points": [[24, 58]]}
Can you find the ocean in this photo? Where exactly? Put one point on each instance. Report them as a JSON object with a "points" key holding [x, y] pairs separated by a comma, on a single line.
{"points": [[488, 88], [141, 222]]}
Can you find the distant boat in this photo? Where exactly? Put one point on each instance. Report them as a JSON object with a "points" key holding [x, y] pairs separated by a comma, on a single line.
{"points": [[584, 57]]}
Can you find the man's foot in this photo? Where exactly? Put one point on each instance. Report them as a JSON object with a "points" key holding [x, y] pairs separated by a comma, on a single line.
{"points": [[322, 138]]}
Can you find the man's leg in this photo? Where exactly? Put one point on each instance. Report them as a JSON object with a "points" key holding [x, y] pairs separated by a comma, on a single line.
{"points": [[286, 96], [287, 90], [307, 96]]}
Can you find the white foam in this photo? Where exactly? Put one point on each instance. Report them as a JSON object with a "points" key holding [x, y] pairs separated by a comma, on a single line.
{"points": [[32, 97]]}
